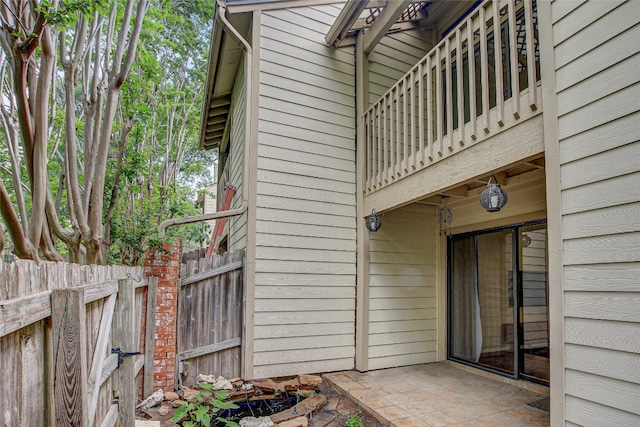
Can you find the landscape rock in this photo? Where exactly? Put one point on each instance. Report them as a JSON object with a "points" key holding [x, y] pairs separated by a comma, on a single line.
{"points": [[293, 384], [171, 395], [246, 386], [188, 393], [296, 422], [256, 422], [306, 407], [310, 379], [151, 401], [219, 383], [265, 384], [177, 403], [164, 410]]}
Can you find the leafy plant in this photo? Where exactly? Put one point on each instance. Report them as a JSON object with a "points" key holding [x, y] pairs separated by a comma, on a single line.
{"points": [[354, 421], [201, 410]]}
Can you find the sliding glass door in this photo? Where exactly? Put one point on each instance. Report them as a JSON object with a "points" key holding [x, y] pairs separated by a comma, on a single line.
{"points": [[497, 319]]}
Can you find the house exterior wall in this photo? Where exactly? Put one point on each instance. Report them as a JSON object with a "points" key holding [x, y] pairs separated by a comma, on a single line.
{"points": [[236, 228], [393, 56], [210, 203], [305, 262], [595, 46], [402, 289]]}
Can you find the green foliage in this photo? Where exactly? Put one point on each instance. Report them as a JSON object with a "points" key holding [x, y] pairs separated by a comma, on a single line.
{"points": [[161, 168], [354, 421], [69, 11], [201, 410], [163, 90]]}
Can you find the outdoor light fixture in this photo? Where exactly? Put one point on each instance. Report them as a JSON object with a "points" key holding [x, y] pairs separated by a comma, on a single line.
{"points": [[445, 217], [493, 198], [526, 241], [373, 223]]}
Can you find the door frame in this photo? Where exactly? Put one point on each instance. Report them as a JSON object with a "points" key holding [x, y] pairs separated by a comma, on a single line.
{"points": [[518, 329]]}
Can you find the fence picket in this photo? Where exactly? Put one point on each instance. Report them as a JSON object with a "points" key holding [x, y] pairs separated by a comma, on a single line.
{"points": [[124, 340], [99, 354], [69, 355]]}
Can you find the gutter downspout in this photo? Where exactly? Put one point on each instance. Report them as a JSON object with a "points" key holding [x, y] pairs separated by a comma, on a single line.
{"points": [[222, 20]]}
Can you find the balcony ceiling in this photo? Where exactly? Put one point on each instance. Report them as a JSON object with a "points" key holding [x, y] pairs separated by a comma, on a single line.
{"points": [[478, 184], [379, 17]]}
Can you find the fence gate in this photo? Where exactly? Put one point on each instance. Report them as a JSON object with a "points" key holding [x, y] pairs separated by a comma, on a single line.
{"points": [[210, 316], [70, 350]]}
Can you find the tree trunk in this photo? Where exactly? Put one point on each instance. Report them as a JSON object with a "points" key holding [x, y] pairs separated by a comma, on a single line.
{"points": [[40, 183], [118, 74], [22, 246]]}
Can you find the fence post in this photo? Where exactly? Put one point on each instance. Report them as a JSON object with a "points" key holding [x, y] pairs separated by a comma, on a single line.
{"points": [[150, 335], [123, 338], [68, 317], [165, 265]]}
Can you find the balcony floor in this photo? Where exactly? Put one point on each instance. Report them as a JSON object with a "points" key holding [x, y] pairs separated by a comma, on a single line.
{"points": [[441, 394]]}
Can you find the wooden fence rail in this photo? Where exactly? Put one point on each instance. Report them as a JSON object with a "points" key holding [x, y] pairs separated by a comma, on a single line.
{"points": [[61, 326]]}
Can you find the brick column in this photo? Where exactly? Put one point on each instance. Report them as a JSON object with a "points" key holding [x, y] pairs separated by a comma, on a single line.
{"points": [[165, 265]]}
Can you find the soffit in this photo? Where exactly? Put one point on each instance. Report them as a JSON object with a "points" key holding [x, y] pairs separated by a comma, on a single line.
{"points": [[225, 58]]}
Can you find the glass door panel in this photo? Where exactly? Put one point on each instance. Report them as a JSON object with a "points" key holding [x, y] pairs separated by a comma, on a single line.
{"points": [[495, 286], [464, 315], [480, 317], [534, 313]]}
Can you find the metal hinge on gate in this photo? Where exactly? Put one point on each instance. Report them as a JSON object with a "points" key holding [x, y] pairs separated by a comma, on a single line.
{"points": [[121, 354]]}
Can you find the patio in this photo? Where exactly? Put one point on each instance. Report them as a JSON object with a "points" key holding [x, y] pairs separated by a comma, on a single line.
{"points": [[442, 394]]}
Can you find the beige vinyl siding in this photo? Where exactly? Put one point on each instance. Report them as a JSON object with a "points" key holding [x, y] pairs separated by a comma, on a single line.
{"points": [[598, 91], [305, 203], [237, 226], [402, 289], [393, 57], [210, 205]]}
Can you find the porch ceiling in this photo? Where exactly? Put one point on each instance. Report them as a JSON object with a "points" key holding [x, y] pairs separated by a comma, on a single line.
{"points": [[479, 183]]}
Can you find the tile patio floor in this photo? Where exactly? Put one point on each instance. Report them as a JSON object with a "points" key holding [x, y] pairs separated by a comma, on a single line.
{"points": [[440, 394]]}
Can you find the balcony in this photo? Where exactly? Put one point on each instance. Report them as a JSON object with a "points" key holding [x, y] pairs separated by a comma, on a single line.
{"points": [[476, 82]]}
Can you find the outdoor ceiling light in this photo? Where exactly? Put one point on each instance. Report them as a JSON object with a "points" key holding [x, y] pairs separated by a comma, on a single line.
{"points": [[493, 198], [373, 223]]}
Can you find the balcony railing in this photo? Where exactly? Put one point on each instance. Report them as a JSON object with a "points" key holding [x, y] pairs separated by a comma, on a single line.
{"points": [[476, 82]]}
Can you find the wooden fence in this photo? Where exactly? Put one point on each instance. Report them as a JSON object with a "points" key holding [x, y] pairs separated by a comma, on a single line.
{"points": [[210, 313], [61, 326]]}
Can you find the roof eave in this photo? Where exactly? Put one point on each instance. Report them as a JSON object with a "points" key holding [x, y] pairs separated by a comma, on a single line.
{"points": [[212, 69], [349, 14]]}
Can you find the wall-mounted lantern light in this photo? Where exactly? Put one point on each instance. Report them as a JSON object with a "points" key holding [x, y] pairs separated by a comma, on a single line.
{"points": [[373, 223], [445, 217], [493, 198]]}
